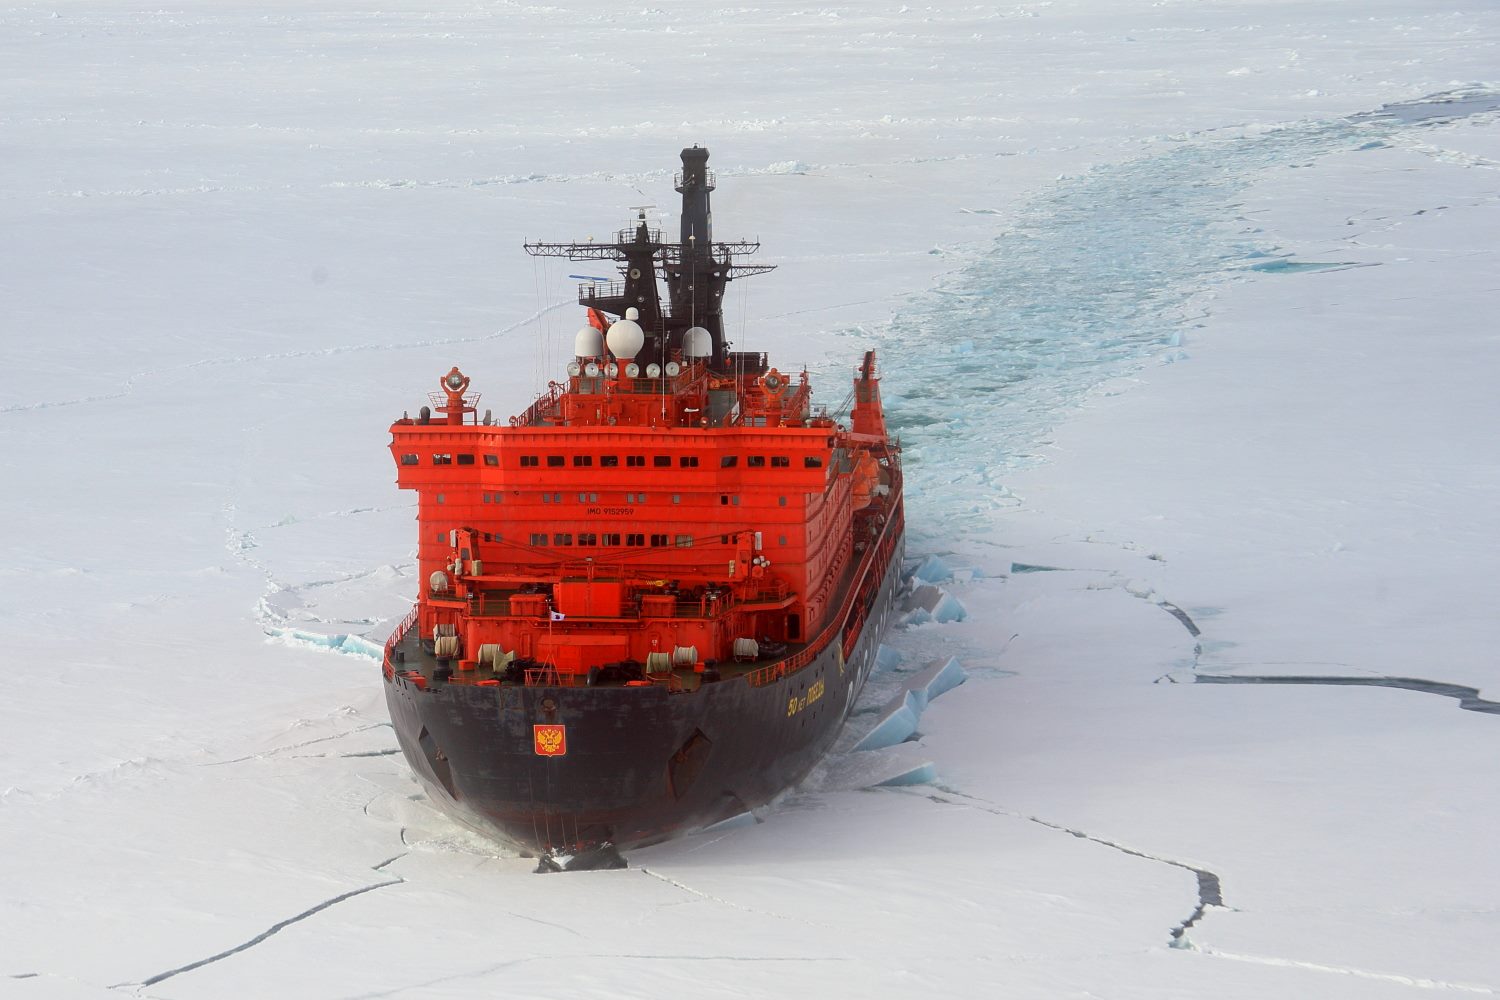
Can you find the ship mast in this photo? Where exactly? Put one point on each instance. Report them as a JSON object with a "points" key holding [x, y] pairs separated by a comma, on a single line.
{"points": [[696, 271]]}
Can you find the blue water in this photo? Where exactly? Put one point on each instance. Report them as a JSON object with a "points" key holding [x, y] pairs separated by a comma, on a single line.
{"points": [[1091, 281]]}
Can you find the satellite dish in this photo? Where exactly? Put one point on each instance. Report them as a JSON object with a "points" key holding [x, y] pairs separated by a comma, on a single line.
{"points": [[591, 369], [673, 368], [574, 368], [632, 369], [653, 370], [613, 369]]}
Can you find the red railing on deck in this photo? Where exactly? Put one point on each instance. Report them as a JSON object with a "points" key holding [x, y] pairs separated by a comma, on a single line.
{"points": [[399, 634], [792, 664]]}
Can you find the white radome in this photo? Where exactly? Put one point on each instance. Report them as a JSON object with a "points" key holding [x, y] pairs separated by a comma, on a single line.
{"points": [[625, 336], [697, 343], [588, 343]]}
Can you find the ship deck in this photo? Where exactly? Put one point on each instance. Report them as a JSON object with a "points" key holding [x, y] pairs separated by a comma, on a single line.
{"points": [[414, 654]]}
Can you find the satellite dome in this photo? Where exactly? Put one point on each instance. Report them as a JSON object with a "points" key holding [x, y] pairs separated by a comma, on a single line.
{"points": [[589, 343], [697, 343], [625, 336]]}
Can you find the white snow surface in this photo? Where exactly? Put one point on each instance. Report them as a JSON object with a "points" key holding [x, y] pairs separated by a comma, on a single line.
{"points": [[1192, 354]]}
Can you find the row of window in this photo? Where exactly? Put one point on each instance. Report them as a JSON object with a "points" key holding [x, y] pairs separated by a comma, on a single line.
{"points": [[725, 499], [613, 461], [540, 538], [563, 538]]}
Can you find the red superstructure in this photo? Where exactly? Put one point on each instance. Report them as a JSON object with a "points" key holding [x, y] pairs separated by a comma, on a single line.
{"points": [[647, 594], [628, 519]]}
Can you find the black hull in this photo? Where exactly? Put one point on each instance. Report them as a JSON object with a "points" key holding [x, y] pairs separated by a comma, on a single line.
{"points": [[641, 764]]}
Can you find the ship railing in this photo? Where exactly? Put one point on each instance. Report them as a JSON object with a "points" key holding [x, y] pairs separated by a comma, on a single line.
{"points": [[591, 291], [712, 178], [628, 235], [841, 621], [702, 607], [543, 676], [400, 633], [544, 403]]}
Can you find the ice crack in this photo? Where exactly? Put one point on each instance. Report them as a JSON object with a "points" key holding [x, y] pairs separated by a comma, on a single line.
{"points": [[711, 897], [1468, 698], [1385, 977], [268, 932], [1210, 889]]}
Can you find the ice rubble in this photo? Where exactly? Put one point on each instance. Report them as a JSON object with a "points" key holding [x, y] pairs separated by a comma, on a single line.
{"points": [[900, 715]]}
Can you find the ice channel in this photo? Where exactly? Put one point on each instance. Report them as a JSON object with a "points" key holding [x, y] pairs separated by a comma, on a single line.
{"points": [[1093, 280]]}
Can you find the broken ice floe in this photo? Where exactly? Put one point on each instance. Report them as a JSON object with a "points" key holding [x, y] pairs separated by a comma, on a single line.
{"points": [[933, 569], [903, 764], [341, 642], [900, 715], [928, 603]]}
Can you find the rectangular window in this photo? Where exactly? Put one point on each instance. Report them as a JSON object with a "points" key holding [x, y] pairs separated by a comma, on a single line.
{"points": [[466, 460], [546, 498], [609, 461], [635, 539], [492, 460], [684, 541], [442, 459], [688, 461], [781, 501], [724, 499], [812, 462], [538, 538], [661, 461], [659, 540], [588, 538], [582, 461], [408, 460], [562, 538], [677, 498], [782, 539], [611, 539], [486, 536], [441, 498], [729, 461], [528, 461], [755, 461], [442, 536], [780, 462], [635, 461], [555, 461]]}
